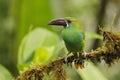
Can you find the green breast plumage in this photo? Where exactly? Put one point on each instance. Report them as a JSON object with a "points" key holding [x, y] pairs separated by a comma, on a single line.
{"points": [[74, 39]]}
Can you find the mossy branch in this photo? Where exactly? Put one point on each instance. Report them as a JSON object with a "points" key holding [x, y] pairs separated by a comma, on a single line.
{"points": [[109, 52]]}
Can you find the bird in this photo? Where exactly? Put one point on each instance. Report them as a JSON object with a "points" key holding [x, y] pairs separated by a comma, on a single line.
{"points": [[72, 34]]}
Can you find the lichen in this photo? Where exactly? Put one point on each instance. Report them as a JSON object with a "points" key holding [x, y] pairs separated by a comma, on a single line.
{"points": [[109, 52]]}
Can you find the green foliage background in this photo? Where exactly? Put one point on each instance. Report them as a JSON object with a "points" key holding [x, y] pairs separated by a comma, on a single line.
{"points": [[26, 39]]}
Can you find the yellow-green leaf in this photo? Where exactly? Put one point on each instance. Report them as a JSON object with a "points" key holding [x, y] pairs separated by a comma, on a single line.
{"points": [[37, 46], [5, 74]]}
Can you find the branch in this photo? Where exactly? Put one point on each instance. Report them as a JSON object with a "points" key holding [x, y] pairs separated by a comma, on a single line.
{"points": [[109, 52]]}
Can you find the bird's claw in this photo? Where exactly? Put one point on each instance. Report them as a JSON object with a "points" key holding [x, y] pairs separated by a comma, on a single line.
{"points": [[67, 62], [85, 53]]}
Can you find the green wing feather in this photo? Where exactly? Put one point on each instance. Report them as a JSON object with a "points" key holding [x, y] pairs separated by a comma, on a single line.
{"points": [[74, 39]]}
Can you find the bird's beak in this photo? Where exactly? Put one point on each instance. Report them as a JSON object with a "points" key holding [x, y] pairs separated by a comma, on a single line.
{"points": [[59, 22]]}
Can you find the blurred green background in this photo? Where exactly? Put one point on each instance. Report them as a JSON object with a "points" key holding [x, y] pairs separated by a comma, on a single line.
{"points": [[24, 20]]}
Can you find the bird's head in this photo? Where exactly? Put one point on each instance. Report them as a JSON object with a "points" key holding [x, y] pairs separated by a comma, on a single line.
{"points": [[66, 22]]}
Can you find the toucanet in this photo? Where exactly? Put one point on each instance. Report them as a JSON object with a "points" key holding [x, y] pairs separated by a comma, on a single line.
{"points": [[72, 34]]}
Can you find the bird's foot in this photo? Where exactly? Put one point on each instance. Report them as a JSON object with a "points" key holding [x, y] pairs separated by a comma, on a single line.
{"points": [[85, 53], [67, 61]]}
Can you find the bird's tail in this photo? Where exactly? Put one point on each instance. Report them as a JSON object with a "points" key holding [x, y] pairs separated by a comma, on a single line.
{"points": [[79, 63]]}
